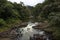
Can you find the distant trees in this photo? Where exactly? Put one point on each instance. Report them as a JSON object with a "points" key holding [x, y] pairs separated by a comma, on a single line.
{"points": [[23, 11], [9, 10], [12, 13], [44, 9]]}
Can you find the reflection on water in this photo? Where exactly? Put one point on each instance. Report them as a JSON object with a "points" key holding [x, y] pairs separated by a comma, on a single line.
{"points": [[28, 32]]}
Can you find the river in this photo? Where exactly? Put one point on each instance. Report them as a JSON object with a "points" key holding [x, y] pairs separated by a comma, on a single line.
{"points": [[25, 33]]}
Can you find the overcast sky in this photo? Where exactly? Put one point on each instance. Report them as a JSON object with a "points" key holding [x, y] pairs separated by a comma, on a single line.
{"points": [[28, 2]]}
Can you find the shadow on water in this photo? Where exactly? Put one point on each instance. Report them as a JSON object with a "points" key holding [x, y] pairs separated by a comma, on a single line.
{"points": [[29, 33]]}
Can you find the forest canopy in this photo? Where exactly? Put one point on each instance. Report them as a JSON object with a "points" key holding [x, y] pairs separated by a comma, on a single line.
{"points": [[12, 14]]}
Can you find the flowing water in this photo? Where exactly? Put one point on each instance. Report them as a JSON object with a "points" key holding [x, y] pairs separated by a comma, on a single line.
{"points": [[27, 32]]}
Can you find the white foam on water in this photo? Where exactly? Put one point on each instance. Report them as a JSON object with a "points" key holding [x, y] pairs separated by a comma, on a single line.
{"points": [[29, 31]]}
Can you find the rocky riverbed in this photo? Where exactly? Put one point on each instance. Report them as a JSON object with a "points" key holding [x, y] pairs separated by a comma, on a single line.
{"points": [[12, 34]]}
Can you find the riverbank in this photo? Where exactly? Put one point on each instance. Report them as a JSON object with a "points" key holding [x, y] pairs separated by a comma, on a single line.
{"points": [[11, 32], [5, 39], [46, 27], [55, 32]]}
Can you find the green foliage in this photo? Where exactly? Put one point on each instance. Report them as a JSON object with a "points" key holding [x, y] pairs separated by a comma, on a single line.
{"points": [[49, 11], [12, 14], [2, 22]]}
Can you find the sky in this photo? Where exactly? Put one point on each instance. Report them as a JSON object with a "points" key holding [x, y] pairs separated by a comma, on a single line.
{"points": [[28, 2]]}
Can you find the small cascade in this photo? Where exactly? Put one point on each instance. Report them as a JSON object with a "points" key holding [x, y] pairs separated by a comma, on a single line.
{"points": [[29, 33]]}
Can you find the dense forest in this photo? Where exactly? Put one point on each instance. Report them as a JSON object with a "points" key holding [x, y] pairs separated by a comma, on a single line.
{"points": [[15, 13], [12, 14]]}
